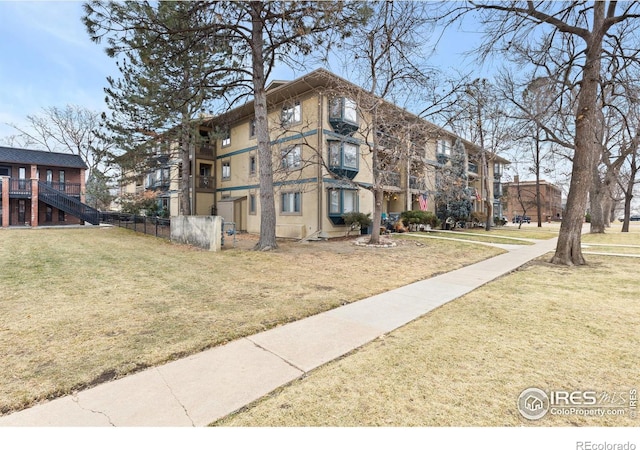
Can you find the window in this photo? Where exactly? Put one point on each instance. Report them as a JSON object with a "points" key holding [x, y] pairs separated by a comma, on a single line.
{"points": [[252, 204], [206, 180], [166, 176], [252, 128], [334, 201], [226, 170], [5, 171], [343, 155], [350, 111], [22, 175], [49, 177], [252, 164], [350, 155], [291, 114], [343, 109], [342, 201], [335, 154], [292, 157], [226, 138], [291, 202], [497, 170], [48, 215], [349, 201], [443, 147], [61, 216]]}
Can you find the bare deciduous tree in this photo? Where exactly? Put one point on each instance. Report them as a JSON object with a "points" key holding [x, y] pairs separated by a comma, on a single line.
{"points": [[572, 34]]}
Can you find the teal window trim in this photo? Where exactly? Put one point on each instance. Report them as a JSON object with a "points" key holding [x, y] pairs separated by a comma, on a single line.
{"points": [[341, 201]]}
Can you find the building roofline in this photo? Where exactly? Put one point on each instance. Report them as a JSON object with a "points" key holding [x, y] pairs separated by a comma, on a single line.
{"points": [[15, 155], [276, 94]]}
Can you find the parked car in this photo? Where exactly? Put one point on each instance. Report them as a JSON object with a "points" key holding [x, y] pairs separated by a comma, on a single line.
{"points": [[524, 219], [635, 218]]}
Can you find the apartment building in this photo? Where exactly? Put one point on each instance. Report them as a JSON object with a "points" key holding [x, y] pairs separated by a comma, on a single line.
{"points": [[521, 199], [42, 188], [323, 142]]}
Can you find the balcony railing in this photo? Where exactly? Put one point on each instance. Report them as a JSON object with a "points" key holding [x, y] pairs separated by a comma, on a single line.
{"points": [[417, 183], [72, 189], [390, 178], [21, 188], [205, 182], [206, 150]]}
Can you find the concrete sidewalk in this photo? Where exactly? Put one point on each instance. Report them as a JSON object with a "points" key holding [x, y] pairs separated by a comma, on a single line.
{"points": [[197, 390]]}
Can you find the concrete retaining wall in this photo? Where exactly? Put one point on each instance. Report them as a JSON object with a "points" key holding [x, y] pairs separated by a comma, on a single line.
{"points": [[200, 231]]}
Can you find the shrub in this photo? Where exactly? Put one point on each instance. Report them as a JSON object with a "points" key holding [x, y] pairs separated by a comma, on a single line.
{"points": [[419, 218], [357, 220], [478, 216]]}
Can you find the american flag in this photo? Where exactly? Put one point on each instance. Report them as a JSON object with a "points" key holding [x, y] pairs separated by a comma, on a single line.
{"points": [[424, 202]]}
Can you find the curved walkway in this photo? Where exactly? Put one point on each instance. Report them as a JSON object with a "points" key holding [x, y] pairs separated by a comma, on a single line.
{"points": [[202, 388]]}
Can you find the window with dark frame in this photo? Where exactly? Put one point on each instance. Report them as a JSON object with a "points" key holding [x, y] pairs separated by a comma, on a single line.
{"points": [[291, 114], [226, 170], [252, 165], [252, 204], [291, 202], [292, 157], [226, 138]]}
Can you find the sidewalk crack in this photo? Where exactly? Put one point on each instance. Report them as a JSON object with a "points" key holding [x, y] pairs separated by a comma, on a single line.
{"points": [[184, 408], [276, 355], [76, 400]]}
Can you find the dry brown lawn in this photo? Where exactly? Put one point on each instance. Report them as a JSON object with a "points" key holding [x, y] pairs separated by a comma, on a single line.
{"points": [[82, 306], [466, 363]]}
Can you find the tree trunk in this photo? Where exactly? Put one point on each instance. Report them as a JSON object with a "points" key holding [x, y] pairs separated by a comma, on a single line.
{"points": [[488, 201], [267, 239], [185, 158], [537, 167], [596, 199], [378, 197], [607, 206], [568, 249], [627, 211]]}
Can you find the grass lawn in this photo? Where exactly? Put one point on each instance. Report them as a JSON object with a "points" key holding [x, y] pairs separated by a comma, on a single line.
{"points": [[83, 306], [466, 363]]}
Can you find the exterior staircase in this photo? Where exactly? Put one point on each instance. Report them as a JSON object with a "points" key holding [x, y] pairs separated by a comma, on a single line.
{"points": [[68, 204]]}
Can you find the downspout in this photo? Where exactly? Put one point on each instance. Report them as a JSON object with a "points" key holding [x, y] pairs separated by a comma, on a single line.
{"points": [[192, 187], [320, 155]]}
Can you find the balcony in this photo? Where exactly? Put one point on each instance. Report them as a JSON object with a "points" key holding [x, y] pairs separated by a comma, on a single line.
{"points": [[417, 183], [21, 188], [390, 180], [205, 183], [206, 151]]}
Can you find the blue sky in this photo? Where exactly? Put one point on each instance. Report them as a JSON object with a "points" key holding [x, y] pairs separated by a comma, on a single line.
{"points": [[47, 59]]}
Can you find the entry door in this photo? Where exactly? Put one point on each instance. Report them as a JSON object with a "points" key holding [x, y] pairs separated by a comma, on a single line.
{"points": [[22, 208]]}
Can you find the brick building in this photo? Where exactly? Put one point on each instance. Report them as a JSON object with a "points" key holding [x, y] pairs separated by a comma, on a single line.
{"points": [[520, 199], [42, 188]]}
